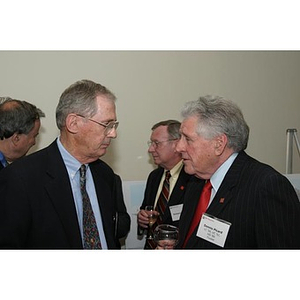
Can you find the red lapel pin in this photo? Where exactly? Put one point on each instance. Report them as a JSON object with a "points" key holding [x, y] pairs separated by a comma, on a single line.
{"points": [[222, 200], [182, 187]]}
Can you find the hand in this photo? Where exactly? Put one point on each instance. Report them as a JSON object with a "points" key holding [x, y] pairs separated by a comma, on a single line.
{"points": [[143, 219], [166, 245]]}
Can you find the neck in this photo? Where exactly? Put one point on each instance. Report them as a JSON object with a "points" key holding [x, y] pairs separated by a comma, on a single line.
{"points": [[6, 150], [74, 149]]}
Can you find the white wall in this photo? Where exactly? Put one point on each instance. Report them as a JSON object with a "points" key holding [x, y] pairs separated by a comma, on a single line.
{"points": [[152, 86]]}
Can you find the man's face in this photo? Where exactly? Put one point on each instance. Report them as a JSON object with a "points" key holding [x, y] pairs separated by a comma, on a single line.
{"points": [[198, 153], [93, 140], [162, 149]]}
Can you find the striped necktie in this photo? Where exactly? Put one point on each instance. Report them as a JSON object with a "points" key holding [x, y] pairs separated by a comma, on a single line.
{"points": [[161, 205], [90, 231], [163, 197]]}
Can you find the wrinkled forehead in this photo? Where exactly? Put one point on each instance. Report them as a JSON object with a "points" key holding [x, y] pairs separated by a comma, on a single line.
{"points": [[106, 107], [159, 133], [189, 125]]}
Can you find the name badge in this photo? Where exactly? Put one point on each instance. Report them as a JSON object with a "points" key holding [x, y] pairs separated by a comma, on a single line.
{"points": [[176, 211], [213, 230]]}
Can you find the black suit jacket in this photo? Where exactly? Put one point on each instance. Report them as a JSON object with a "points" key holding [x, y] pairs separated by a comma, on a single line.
{"points": [[123, 220], [259, 202], [175, 198], [37, 207]]}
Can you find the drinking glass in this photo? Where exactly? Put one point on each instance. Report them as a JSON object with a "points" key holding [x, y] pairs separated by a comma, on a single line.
{"points": [[166, 236], [152, 215]]}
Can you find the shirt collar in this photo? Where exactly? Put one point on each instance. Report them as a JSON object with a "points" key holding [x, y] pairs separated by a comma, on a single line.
{"points": [[175, 170], [72, 164], [219, 175], [3, 160]]}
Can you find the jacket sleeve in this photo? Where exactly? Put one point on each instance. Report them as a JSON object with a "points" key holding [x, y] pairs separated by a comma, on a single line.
{"points": [[122, 217]]}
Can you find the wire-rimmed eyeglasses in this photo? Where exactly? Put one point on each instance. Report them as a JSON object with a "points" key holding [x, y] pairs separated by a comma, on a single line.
{"points": [[156, 144], [108, 126]]}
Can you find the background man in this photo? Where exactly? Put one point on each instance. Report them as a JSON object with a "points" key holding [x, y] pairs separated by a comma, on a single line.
{"points": [[162, 146], [19, 127]]}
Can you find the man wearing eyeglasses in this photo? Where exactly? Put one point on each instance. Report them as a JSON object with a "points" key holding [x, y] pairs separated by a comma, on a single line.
{"points": [[64, 196], [162, 147]]}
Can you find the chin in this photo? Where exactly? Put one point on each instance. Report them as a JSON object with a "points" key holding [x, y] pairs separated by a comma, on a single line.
{"points": [[189, 170], [102, 153]]}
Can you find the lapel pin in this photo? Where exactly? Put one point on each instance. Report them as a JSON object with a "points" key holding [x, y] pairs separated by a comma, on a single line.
{"points": [[182, 187], [222, 200]]}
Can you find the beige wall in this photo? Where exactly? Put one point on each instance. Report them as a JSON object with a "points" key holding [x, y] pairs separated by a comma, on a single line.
{"points": [[151, 86]]}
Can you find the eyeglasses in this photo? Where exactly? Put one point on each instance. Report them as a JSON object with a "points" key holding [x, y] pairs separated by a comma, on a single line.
{"points": [[156, 144], [108, 126]]}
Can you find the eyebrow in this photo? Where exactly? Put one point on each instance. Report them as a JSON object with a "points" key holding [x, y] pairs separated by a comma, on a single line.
{"points": [[105, 122]]}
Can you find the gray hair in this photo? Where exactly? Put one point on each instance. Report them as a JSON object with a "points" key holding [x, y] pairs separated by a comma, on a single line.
{"points": [[216, 116], [3, 99], [17, 116], [80, 98], [173, 128]]}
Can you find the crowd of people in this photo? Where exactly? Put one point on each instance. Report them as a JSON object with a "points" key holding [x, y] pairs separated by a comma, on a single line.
{"points": [[205, 184]]}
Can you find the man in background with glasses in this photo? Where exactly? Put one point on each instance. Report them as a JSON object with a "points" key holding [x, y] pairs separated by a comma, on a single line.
{"points": [[162, 147], [64, 196]]}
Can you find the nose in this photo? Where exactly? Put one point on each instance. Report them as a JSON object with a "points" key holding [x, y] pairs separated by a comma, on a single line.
{"points": [[151, 149], [180, 146], [113, 133]]}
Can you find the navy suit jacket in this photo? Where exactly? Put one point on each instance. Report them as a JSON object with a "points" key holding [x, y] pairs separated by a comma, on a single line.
{"points": [[37, 209], [175, 198], [260, 203]]}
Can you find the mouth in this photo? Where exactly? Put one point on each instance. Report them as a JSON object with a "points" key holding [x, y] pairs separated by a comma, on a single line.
{"points": [[105, 145]]}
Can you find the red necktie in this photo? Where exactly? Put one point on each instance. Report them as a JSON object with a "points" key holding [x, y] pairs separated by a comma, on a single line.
{"points": [[201, 208]]}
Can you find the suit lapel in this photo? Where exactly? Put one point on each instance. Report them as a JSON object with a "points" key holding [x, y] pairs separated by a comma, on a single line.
{"points": [[155, 183], [225, 192], [105, 201], [177, 193], [179, 188], [60, 193]]}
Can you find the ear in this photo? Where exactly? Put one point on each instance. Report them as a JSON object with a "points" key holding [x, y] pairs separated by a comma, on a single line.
{"points": [[72, 123], [220, 144], [15, 138]]}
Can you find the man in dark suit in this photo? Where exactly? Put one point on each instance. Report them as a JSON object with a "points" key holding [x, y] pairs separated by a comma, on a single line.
{"points": [[44, 203], [250, 205], [162, 147]]}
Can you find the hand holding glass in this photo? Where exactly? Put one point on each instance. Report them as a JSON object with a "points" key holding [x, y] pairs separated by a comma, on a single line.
{"points": [[152, 215]]}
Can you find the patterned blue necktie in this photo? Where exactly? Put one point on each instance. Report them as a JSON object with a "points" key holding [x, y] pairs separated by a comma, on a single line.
{"points": [[90, 230]]}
